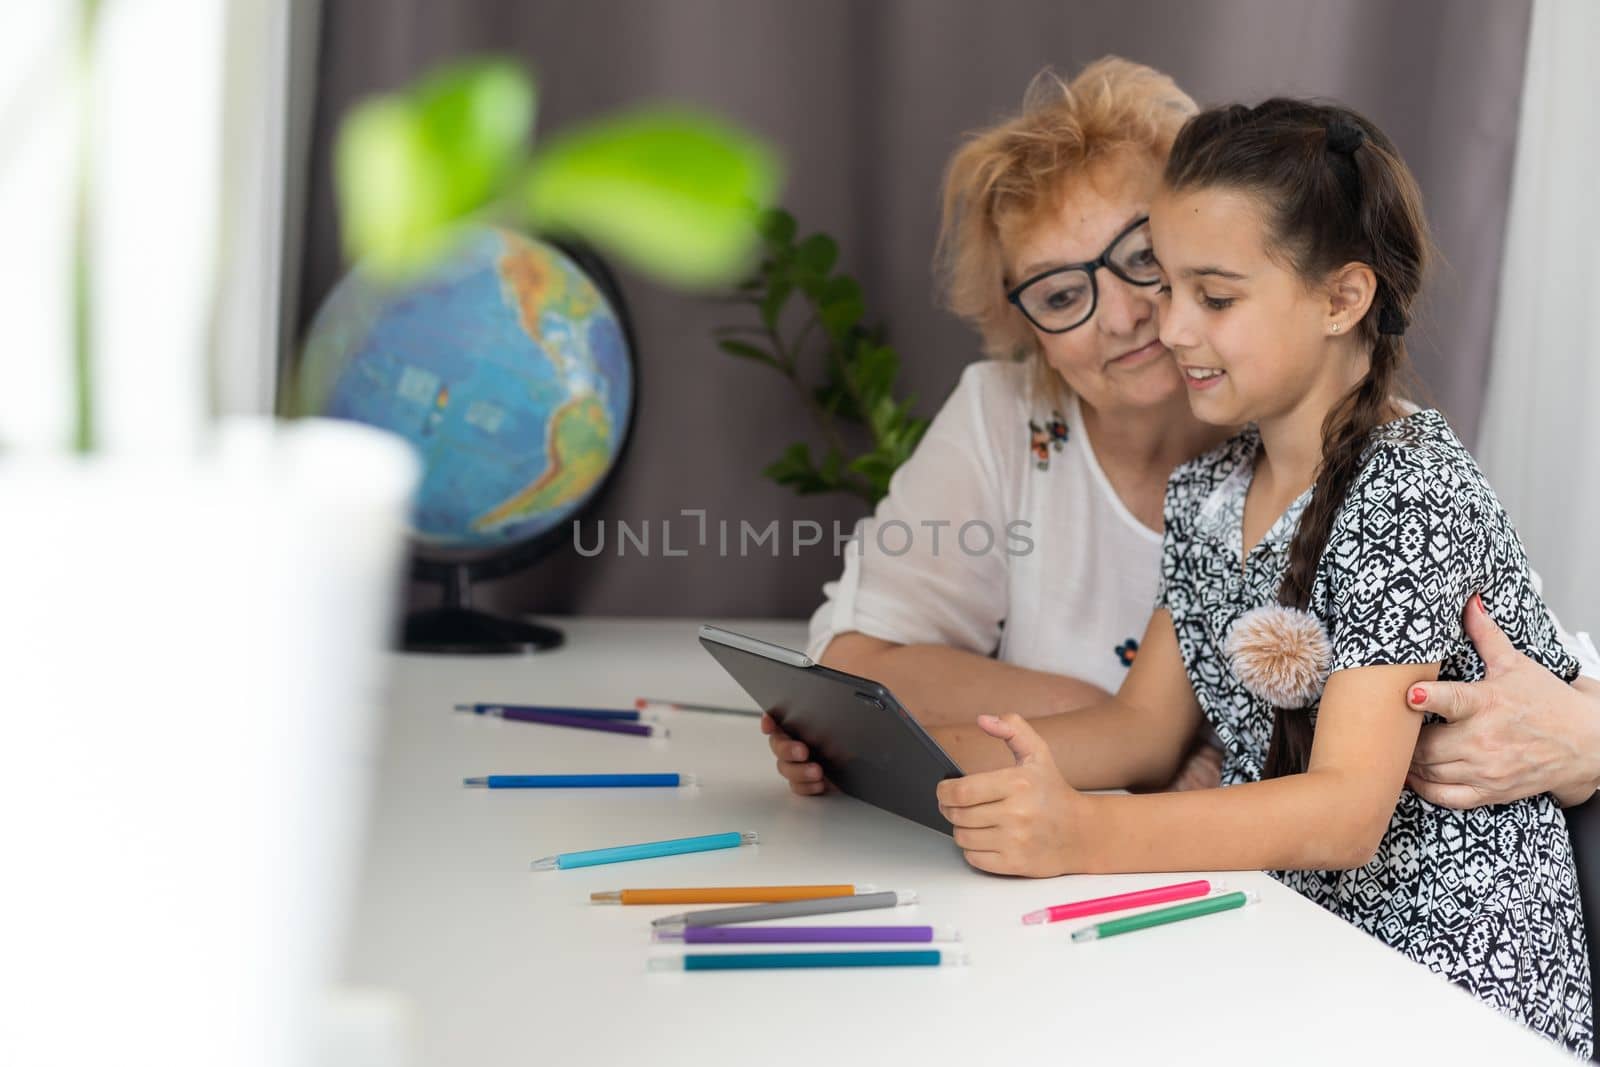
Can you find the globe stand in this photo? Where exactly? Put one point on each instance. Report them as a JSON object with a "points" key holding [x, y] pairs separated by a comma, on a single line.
{"points": [[457, 628]]}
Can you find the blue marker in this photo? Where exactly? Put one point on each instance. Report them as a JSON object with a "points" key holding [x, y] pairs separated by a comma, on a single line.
{"points": [[579, 781], [648, 850]]}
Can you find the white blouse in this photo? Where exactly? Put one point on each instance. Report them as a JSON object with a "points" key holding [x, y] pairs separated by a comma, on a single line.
{"points": [[1002, 536]]}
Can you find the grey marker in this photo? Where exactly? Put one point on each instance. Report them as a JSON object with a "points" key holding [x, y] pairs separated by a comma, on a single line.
{"points": [[747, 913]]}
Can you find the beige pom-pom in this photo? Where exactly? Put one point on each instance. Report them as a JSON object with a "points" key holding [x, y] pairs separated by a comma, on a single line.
{"points": [[1281, 654]]}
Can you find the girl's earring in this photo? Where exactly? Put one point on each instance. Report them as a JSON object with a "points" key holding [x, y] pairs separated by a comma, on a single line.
{"points": [[1334, 327]]}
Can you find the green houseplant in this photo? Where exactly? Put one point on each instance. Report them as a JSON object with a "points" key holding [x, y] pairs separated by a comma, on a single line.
{"points": [[855, 388]]}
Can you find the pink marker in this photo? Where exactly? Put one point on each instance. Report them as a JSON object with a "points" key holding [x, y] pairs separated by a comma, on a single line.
{"points": [[1164, 894]]}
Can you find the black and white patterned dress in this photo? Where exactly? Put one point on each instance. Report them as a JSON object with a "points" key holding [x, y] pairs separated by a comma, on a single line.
{"points": [[1487, 898]]}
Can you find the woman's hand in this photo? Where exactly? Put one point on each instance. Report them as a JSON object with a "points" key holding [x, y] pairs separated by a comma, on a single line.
{"points": [[805, 779], [1518, 733], [1024, 819]]}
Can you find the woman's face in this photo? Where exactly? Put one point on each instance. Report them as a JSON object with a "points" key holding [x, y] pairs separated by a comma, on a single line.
{"points": [[1114, 360], [1249, 337]]}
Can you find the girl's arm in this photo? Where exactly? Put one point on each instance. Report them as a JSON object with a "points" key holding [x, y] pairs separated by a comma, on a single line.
{"points": [[1332, 817], [941, 685], [944, 685], [1027, 820], [1136, 738]]}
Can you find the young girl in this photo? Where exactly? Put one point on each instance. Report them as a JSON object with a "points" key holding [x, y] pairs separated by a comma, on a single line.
{"points": [[1312, 568]]}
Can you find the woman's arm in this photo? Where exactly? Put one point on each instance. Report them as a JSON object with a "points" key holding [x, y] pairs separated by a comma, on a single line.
{"points": [[1026, 820], [1518, 733], [941, 685], [1137, 738]]}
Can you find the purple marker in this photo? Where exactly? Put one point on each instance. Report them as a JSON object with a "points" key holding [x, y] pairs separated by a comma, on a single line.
{"points": [[512, 710], [771, 935], [580, 722]]}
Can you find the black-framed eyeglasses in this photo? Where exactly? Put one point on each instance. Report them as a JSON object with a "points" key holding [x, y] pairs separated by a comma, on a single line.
{"points": [[1064, 298]]}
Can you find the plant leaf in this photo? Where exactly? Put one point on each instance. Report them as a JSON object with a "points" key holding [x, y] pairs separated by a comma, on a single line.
{"points": [[794, 469], [831, 466], [875, 466], [772, 303], [408, 166], [918, 427], [776, 226], [816, 255], [841, 305], [746, 351], [875, 368], [834, 399], [476, 117], [674, 193], [882, 416]]}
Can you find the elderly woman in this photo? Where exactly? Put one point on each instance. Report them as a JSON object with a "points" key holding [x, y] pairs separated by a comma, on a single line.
{"points": [[1014, 562]]}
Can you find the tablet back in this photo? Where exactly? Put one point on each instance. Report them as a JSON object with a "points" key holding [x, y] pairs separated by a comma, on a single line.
{"points": [[867, 744]]}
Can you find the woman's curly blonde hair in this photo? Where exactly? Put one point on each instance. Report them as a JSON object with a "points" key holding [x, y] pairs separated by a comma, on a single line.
{"points": [[1013, 174]]}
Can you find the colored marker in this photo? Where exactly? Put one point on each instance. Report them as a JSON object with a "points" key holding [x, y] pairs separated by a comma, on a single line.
{"points": [[789, 909], [512, 711], [1082, 909], [715, 709], [1161, 916], [579, 781], [757, 961], [579, 722], [645, 851], [738, 894], [759, 935]]}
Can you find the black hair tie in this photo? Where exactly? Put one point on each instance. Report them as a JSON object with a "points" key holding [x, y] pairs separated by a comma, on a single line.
{"points": [[1345, 137], [1391, 320]]}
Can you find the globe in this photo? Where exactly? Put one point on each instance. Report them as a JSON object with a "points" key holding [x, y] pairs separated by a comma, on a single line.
{"points": [[506, 366]]}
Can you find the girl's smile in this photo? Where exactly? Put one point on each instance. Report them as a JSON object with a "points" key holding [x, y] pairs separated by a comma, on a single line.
{"points": [[1200, 378]]}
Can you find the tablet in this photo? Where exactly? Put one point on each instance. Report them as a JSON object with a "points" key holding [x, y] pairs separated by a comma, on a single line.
{"points": [[866, 743]]}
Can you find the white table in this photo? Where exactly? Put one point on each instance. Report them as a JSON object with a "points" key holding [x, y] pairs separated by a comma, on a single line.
{"points": [[503, 965]]}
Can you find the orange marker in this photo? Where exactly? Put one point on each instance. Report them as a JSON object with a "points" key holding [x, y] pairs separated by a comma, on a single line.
{"points": [[739, 894]]}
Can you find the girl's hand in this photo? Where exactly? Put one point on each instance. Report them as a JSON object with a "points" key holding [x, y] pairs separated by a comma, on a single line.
{"points": [[1021, 820], [805, 779]]}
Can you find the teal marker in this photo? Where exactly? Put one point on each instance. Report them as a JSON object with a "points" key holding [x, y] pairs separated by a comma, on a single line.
{"points": [[768, 961], [648, 850]]}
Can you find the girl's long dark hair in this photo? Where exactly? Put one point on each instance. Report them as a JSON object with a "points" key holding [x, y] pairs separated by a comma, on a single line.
{"points": [[1334, 191]]}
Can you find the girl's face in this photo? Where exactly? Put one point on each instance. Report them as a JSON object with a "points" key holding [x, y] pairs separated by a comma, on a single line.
{"points": [[1114, 360], [1250, 338]]}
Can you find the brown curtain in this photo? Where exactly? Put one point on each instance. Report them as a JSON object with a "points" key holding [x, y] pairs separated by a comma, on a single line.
{"points": [[867, 100]]}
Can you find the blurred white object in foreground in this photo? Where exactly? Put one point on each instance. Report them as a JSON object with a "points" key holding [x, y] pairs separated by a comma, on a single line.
{"points": [[190, 661]]}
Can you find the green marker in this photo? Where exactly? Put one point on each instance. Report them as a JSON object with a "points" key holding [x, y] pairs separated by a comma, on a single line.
{"points": [[1161, 916]]}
